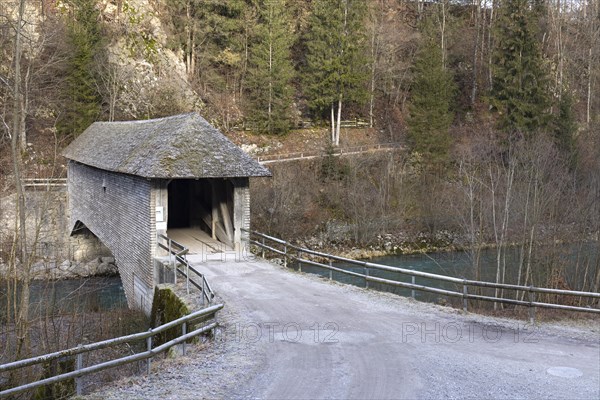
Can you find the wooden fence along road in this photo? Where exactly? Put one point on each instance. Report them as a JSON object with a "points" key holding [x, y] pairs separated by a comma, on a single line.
{"points": [[298, 254], [78, 352], [336, 152]]}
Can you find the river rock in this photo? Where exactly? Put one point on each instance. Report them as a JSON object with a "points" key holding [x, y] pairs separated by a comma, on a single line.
{"points": [[65, 265], [107, 260], [107, 269]]}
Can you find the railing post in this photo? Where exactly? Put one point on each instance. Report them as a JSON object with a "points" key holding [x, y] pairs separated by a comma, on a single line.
{"points": [[183, 333], [173, 262], [149, 347], [203, 290], [367, 277], [285, 255], [299, 260], [79, 366], [412, 291], [175, 271], [465, 301], [531, 296], [330, 271], [187, 276], [263, 247]]}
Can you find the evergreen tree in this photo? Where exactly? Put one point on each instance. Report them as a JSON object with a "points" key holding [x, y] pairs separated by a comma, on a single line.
{"points": [[519, 89], [336, 63], [269, 93], [430, 107], [565, 127], [82, 100], [213, 36]]}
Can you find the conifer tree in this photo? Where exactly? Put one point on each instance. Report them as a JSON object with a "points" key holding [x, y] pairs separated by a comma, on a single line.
{"points": [[336, 62], [430, 107], [82, 100], [565, 127], [269, 90], [519, 88]]}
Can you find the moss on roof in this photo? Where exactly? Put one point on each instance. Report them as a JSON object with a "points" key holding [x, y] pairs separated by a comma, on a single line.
{"points": [[181, 146]]}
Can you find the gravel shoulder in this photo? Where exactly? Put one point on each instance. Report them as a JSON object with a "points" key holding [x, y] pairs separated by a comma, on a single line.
{"points": [[288, 335]]}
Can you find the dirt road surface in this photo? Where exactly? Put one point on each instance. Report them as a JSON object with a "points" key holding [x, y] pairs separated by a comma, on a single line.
{"points": [[286, 335]]}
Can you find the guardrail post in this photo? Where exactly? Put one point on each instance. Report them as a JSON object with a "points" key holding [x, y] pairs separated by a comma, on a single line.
{"points": [[531, 296], [285, 255], [203, 290], [465, 301], [412, 291], [330, 271], [263, 247], [183, 333], [367, 277], [78, 366], [299, 260], [149, 347]]}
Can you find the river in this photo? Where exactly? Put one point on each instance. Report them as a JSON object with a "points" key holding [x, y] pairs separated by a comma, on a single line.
{"points": [[72, 296]]}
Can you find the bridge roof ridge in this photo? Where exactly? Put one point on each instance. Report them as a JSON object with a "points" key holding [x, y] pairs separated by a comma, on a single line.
{"points": [[179, 146]]}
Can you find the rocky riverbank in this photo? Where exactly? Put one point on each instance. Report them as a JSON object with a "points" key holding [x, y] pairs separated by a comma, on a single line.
{"points": [[58, 270], [403, 243], [386, 244]]}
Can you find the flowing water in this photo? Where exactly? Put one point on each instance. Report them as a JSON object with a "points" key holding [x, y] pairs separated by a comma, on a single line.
{"points": [[72, 296]]}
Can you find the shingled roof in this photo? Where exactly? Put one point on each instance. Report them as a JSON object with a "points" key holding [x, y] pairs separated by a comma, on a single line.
{"points": [[181, 146]]}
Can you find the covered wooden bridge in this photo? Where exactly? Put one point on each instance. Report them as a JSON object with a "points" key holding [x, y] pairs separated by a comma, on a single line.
{"points": [[178, 176]]}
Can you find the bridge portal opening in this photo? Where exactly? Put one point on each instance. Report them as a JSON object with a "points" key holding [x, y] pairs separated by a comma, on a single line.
{"points": [[201, 205]]}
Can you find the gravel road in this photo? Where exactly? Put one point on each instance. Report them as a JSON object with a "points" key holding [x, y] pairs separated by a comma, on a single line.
{"points": [[288, 335]]}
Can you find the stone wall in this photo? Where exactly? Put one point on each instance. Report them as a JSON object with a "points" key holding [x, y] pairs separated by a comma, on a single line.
{"points": [[119, 210]]}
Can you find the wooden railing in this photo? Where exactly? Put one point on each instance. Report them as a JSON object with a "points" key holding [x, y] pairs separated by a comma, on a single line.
{"points": [[181, 265], [305, 124], [339, 151], [44, 183], [296, 253], [80, 370]]}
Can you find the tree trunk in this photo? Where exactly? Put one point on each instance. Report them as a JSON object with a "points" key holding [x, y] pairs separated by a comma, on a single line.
{"points": [[18, 130], [374, 51], [332, 124], [443, 34], [339, 120], [588, 116], [475, 55], [490, 52], [270, 110]]}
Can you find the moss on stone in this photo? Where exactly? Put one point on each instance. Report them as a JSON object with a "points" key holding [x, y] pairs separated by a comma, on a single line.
{"points": [[167, 307]]}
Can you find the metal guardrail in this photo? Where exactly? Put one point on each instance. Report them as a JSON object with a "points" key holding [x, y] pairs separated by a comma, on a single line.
{"points": [[531, 291], [179, 252], [307, 155], [78, 351]]}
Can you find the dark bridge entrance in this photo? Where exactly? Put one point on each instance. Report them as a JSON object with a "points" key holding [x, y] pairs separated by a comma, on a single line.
{"points": [[206, 205]]}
